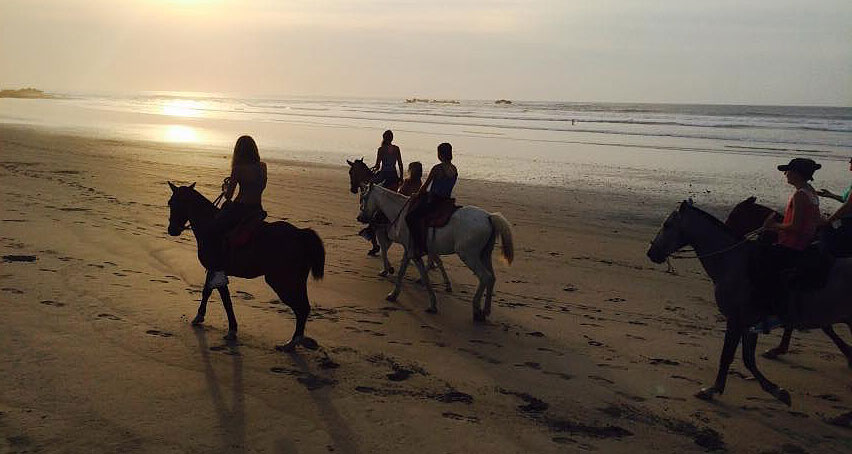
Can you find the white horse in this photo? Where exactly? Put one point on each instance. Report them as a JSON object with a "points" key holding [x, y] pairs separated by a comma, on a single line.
{"points": [[470, 233]]}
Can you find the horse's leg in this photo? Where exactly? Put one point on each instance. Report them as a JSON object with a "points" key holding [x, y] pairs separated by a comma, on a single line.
{"points": [[292, 290], [475, 264], [783, 347], [749, 346], [843, 346], [733, 333], [489, 289], [202, 308], [436, 259], [229, 311], [394, 294], [385, 243], [424, 276]]}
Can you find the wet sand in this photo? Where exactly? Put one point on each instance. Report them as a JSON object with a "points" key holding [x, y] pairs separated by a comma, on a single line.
{"points": [[589, 347]]}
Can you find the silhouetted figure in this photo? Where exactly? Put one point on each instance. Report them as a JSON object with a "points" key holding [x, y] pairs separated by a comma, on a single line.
{"points": [[795, 233], [837, 233], [412, 183], [437, 189], [388, 157], [248, 173]]}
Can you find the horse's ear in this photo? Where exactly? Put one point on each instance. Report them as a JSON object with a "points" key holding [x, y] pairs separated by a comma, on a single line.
{"points": [[350, 163], [173, 187], [192, 186], [751, 199]]}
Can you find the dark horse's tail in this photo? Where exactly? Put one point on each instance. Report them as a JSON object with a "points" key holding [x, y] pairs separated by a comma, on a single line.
{"points": [[316, 253]]}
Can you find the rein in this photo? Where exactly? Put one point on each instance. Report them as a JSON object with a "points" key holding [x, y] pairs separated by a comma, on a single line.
{"points": [[748, 237]]}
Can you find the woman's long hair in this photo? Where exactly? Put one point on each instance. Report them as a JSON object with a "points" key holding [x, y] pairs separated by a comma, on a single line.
{"points": [[387, 138], [415, 170], [245, 152]]}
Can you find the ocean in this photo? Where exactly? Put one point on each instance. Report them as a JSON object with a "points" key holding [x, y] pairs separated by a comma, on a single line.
{"points": [[717, 154]]}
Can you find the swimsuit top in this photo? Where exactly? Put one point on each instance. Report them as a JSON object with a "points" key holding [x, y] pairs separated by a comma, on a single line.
{"points": [[801, 238]]}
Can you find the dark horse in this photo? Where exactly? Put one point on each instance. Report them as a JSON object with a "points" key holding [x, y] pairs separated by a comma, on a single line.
{"points": [[725, 257], [747, 217], [279, 251]]}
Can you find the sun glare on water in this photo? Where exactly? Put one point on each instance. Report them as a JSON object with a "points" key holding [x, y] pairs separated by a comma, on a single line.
{"points": [[182, 108], [180, 134]]}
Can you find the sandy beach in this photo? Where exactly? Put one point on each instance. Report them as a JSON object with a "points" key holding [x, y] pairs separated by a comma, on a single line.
{"points": [[590, 347]]}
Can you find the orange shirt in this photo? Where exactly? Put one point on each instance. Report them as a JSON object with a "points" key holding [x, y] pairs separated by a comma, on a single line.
{"points": [[808, 204]]}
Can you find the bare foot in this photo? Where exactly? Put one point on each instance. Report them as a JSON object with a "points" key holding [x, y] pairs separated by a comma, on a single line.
{"points": [[231, 336]]}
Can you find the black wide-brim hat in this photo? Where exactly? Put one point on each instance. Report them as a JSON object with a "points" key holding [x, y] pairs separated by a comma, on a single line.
{"points": [[803, 166]]}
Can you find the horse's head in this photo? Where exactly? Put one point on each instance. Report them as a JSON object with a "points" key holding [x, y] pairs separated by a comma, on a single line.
{"points": [[359, 174], [671, 235], [368, 205], [749, 216], [179, 207]]}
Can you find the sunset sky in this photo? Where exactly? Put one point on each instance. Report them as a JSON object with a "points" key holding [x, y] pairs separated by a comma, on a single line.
{"points": [[757, 52]]}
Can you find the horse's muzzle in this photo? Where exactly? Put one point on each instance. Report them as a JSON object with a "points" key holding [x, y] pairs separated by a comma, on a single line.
{"points": [[655, 255], [175, 231], [363, 219], [353, 189]]}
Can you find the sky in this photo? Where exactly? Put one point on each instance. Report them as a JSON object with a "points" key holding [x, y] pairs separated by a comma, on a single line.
{"points": [[684, 51]]}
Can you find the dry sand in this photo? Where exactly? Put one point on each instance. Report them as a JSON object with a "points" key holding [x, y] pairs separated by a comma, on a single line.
{"points": [[589, 347]]}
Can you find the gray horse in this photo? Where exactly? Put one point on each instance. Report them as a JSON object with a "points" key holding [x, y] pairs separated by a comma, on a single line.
{"points": [[725, 257]]}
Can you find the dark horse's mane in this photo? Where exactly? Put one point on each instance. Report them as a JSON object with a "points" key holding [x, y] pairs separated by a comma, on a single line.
{"points": [[724, 227]]}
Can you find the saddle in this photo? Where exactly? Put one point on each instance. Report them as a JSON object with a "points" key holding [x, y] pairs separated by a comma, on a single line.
{"points": [[440, 213], [243, 233]]}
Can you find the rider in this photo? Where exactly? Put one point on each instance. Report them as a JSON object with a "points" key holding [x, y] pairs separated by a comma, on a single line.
{"points": [[249, 173], [437, 188], [838, 236], [387, 158], [795, 232], [412, 184]]}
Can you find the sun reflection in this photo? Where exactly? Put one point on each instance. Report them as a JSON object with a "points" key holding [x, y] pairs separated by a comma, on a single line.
{"points": [[182, 108], [180, 134]]}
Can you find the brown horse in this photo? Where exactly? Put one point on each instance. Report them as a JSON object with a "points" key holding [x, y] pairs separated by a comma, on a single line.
{"points": [[748, 216], [279, 251]]}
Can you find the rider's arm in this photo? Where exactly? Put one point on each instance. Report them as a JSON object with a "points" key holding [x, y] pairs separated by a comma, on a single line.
{"points": [[427, 182], [378, 159], [829, 194], [399, 160], [799, 200], [843, 211], [231, 184]]}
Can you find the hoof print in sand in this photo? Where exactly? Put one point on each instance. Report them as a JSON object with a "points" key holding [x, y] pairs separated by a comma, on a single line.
{"points": [[458, 417], [155, 332], [399, 375], [52, 303], [19, 258], [109, 317]]}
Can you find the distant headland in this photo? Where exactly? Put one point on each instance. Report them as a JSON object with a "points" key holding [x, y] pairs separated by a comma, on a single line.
{"points": [[31, 93]]}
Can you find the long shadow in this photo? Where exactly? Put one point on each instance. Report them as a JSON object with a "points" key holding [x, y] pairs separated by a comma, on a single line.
{"points": [[338, 428], [232, 420]]}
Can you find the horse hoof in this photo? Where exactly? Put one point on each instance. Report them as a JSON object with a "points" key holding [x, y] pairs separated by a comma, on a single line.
{"points": [[773, 353], [384, 273], [231, 336], [391, 270], [706, 393], [197, 321], [288, 347], [432, 310], [391, 297], [448, 289], [309, 343], [784, 396]]}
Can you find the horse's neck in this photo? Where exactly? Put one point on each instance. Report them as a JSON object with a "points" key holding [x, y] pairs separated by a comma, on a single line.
{"points": [[390, 203], [201, 212], [716, 249]]}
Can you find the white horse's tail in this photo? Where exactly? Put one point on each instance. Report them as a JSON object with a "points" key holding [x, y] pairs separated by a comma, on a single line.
{"points": [[504, 229]]}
